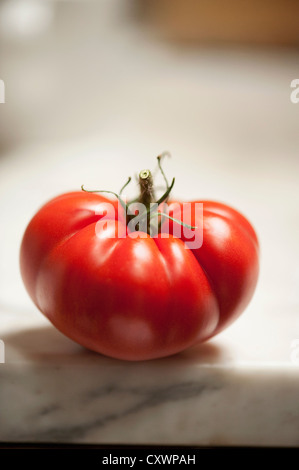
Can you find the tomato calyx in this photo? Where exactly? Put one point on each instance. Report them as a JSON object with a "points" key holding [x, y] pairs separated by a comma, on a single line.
{"points": [[145, 204], [148, 199]]}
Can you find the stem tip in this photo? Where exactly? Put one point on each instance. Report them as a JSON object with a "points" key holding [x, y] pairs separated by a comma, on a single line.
{"points": [[144, 174]]}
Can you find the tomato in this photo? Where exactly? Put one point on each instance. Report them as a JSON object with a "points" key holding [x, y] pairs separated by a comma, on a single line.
{"points": [[137, 297]]}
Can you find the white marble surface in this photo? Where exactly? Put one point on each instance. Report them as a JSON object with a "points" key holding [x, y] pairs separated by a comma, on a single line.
{"points": [[53, 391], [227, 118]]}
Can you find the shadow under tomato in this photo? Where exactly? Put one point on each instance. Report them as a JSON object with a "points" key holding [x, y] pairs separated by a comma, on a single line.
{"points": [[48, 345]]}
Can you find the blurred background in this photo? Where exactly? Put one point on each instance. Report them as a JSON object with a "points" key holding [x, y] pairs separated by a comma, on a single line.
{"points": [[95, 90]]}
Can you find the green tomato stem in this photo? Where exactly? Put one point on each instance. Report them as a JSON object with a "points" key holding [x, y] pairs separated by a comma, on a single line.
{"points": [[146, 197]]}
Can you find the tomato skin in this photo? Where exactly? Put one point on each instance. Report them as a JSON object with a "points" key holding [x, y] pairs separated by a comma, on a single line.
{"points": [[136, 298], [229, 256]]}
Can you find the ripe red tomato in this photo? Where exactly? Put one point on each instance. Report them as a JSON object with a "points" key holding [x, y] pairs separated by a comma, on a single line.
{"points": [[136, 298]]}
